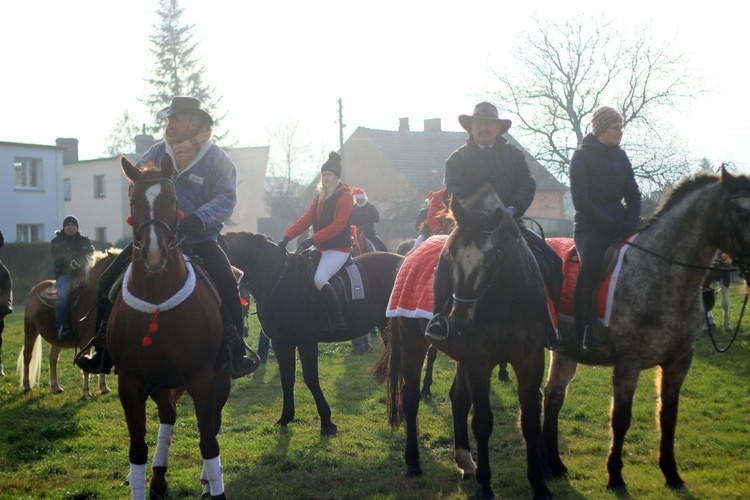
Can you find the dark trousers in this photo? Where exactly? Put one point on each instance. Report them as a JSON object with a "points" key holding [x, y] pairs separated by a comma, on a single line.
{"points": [[591, 247], [550, 264], [215, 262]]}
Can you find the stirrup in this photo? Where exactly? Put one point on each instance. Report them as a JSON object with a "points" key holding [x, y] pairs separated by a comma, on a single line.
{"points": [[438, 328], [99, 362], [588, 342]]}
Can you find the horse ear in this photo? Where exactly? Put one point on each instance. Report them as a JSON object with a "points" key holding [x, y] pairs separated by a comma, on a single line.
{"points": [[167, 167], [459, 213], [130, 170]]}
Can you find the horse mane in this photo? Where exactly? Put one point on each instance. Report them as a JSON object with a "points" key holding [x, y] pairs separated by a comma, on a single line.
{"points": [[678, 192], [151, 171]]}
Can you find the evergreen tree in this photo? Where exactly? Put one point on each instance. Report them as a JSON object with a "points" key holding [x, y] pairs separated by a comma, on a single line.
{"points": [[176, 71]]}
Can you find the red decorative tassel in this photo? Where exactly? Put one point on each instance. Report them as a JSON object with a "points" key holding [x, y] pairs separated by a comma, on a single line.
{"points": [[153, 327], [180, 215], [129, 220]]}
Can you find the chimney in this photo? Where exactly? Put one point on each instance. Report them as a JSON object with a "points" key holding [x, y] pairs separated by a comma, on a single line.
{"points": [[70, 155], [143, 142], [432, 125], [403, 124]]}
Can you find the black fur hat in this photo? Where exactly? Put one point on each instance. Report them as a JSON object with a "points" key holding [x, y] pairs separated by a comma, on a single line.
{"points": [[332, 164]]}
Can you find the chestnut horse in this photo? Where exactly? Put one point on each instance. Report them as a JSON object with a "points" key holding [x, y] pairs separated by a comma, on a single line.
{"points": [[165, 332], [39, 323]]}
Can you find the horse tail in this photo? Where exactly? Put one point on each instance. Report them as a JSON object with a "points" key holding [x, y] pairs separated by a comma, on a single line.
{"points": [[388, 369], [35, 364]]}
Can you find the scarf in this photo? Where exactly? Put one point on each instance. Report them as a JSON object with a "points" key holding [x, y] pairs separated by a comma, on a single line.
{"points": [[185, 151]]}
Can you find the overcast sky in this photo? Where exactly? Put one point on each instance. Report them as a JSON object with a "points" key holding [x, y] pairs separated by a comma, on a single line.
{"points": [[71, 68]]}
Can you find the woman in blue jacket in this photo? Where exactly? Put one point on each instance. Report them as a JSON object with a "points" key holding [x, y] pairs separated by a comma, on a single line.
{"points": [[607, 205]]}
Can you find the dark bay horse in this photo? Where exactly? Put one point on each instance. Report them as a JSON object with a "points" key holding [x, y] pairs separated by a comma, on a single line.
{"points": [[6, 302], [703, 214], [499, 315], [39, 324], [165, 333], [286, 303]]}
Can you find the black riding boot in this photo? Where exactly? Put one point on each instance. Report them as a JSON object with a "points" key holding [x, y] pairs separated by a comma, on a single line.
{"points": [[100, 361], [438, 327], [338, 323], [239, 364]]}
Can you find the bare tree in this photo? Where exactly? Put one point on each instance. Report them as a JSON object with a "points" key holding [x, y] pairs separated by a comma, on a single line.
{"points": [[563, 71], [121, 139]]}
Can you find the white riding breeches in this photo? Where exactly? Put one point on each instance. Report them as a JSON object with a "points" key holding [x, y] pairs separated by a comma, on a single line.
{"points": [[330, 262]]}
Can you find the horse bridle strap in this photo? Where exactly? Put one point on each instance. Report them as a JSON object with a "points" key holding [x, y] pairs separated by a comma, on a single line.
{"points": [[498, 257], [172, 232], [675, 262]]}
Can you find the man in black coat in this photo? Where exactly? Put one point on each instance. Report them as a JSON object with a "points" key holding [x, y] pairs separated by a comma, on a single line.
{"points": [[487, 157], [71, 255]]}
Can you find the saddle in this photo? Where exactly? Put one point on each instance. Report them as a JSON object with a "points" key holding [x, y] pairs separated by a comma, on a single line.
{"points": [[48, 296], [349, 282]]}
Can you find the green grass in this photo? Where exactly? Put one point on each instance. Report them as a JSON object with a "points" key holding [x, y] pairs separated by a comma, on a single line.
{"points": [[60, 446]]}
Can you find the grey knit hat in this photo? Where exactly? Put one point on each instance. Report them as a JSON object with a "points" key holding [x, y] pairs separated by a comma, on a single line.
{"points": [[603, 118]]}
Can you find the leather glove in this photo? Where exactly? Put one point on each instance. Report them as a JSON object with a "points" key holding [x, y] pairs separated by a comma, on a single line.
{"points": [[307, 243], [74, 265], [192, 223], [283, 243]]}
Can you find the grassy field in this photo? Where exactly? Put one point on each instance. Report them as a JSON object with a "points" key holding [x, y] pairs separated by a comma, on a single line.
{"points": [[60, 446]]}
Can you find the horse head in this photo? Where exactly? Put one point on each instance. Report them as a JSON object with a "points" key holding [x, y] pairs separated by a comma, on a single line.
{"points": [[484, 233], [256, 255], [732, 232], [153, 212]]}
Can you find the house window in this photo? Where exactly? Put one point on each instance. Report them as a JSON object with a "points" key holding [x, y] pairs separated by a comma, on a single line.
{"points": [[28, 173], [100, 234], [99, 186], [66, 189], [29, 233]]}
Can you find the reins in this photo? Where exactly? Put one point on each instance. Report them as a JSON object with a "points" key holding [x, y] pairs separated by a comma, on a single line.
{"points": [[734, 334]]}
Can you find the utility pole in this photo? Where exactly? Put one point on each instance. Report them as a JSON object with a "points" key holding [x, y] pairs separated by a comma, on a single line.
{"points": [[341, 136]]}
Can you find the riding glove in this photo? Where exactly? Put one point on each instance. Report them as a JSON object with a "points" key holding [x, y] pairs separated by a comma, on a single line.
{"points": [[192, 223], [283, 242], [307, 243]]}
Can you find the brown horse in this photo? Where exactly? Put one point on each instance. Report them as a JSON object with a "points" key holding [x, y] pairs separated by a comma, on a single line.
{"points": [[39, 323], [165, 332]]}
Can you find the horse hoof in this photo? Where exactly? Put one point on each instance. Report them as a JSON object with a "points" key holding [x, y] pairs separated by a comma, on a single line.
{"points": [[415, 471], [427, 395], [158, 493], [681, 486], [329, 430], [59, 390], [106, 391], [618, 490]]}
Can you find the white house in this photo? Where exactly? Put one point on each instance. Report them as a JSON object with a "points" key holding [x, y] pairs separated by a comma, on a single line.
{"points": [[31, 191]]}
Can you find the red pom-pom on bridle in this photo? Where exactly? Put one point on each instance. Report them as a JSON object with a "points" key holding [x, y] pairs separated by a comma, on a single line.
{"points": [[129, 220]]}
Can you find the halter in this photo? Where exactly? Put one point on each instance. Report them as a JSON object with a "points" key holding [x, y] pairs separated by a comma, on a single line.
{"points": [[172, 232], [499, 255]]}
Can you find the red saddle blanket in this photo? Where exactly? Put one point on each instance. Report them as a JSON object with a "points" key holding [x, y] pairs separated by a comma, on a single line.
{"points": [[565, 248], [412, 295]]}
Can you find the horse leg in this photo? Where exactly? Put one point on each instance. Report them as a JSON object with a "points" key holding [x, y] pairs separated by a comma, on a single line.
{"points": [[460, 407], [672, 377], [308, 357], [561, 373], [725, 307], [427, 383], [31, 353], [134, 405], [54, 355], [206, 405], [413, 349], [529, 373], [2, 327], [103, 388], [167, 417], [625, 380], [478, 376], [285, 357]]}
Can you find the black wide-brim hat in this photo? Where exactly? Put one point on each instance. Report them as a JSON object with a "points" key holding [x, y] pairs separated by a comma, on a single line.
{"points": [[184, 104], [486, 111]]}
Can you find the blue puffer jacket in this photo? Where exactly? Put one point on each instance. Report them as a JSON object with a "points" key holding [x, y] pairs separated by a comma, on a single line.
{"points": [[207, 187], [601, 178]]}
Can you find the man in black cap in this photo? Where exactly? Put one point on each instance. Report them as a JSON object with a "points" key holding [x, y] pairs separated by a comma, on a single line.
{"points": [[71, 255], [206, 183], [487, 157]]}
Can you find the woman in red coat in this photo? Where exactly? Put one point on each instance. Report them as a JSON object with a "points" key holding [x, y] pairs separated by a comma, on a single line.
{"points": [[329, 216]]}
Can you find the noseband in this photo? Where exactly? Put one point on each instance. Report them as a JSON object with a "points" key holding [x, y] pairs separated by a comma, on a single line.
{"points": [[172, 232]]}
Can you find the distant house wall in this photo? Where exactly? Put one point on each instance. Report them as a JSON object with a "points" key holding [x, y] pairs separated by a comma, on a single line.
{"points": [[41, 204], [547, 204]]}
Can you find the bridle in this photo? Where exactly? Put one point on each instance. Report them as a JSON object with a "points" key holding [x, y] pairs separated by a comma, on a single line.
{"points": [[172, 231], [499, 254]]}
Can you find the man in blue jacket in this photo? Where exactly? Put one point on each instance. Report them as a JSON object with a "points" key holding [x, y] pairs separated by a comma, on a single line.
{"points": [[206, 183]]}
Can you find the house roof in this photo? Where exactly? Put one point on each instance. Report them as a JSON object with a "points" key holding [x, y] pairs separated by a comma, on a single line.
{"points": [[422, 155]]}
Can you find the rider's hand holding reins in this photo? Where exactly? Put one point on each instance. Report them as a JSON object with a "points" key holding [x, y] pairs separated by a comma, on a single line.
{"points": [[283, 242]]}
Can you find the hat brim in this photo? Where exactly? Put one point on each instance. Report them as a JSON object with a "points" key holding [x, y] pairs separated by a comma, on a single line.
{"points": [[167, 112], [465, 121]]}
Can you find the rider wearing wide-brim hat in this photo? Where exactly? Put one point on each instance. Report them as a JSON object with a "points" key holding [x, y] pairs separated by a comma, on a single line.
{"points": [[206, 183]]}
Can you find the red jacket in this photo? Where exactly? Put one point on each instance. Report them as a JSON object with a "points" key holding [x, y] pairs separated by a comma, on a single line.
{"points": [[436, 212], [327, 231]]}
